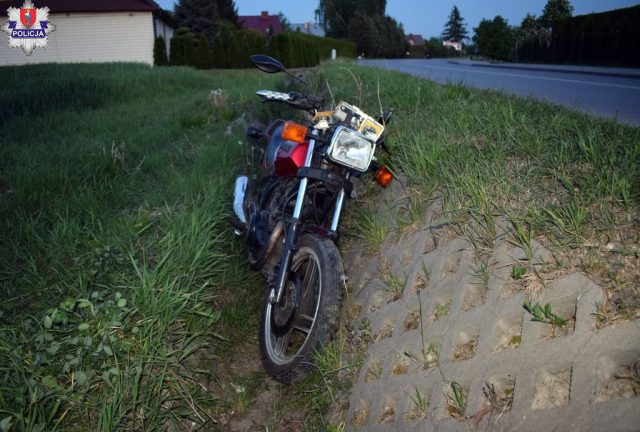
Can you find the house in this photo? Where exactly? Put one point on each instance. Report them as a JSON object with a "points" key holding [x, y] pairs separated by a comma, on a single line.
{"points": [[454, 44], [268, 25], [309, 28], [416, 45], [93, 31], [415, 40]]}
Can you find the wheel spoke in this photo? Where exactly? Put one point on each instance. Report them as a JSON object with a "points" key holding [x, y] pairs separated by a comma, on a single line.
{"points": [[282, 343], [309, 282], [303, 323]]}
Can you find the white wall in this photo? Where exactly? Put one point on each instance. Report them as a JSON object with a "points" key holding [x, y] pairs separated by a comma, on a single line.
{"points": [[162, 29], [89, 37]]}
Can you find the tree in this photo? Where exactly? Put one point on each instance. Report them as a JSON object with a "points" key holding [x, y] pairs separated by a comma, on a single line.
{"points": [[199, 16], [531, 32], [285, 25], [160, 52], [494, 38], [377, 36], [529, 25], [203, 54], [205, 16], [181, 50], [228, 11], [365, 23], [554, 11], [455, 29], [335, 15]]}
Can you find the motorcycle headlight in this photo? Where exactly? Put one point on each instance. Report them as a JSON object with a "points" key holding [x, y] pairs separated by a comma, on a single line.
{"points": [[351, 148]]}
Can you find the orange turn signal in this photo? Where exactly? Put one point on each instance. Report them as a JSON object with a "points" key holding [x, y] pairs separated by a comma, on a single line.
{"points": [[383, 176], [294, 132]]}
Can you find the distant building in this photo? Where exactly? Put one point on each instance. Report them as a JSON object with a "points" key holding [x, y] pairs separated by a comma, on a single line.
{"points": [[309, 28], [415, 39], [268, 25], [94, 31], [451, 43]]}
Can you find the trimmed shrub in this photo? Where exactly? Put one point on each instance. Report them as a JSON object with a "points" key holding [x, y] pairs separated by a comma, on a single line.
{"points": [[218, 55], [160, 52], [202, 54], [182, 50], [232, 49]]}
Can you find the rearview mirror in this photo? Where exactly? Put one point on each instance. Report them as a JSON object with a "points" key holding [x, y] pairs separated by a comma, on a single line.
{"points": [[266, 64]]}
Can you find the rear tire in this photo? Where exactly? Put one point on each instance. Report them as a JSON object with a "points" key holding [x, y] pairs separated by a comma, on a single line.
{"points": [[319, 268]]}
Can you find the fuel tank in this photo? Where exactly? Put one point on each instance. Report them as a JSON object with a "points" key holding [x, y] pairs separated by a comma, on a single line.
{"points": [[284, 157], [290, 157]]}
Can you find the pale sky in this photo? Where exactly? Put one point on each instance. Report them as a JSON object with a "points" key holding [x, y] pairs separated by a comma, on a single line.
{"points": [[427, 17]]}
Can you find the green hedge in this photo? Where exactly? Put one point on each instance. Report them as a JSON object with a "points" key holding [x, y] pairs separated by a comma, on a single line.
{"points": [[160, 52], [607, 38], [233, 48], [417, 51]]}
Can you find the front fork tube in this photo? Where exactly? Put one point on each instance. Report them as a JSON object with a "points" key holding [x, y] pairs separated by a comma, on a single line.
{"points": [[275, 296], [337, 211]]}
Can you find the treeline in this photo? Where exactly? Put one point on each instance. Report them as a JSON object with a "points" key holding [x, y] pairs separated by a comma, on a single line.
{"points": [[377, 36], [232, 48], [364, 22], [607, 38]]}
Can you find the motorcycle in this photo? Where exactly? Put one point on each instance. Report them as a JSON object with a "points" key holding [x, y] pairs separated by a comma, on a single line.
{"points": [[289, 218]]}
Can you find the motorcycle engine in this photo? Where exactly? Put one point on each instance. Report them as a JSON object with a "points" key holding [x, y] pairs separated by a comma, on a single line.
{"points": [[258, 229]]}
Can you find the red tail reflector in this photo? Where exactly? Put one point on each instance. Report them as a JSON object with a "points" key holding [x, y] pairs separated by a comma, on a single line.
{"points": [[383, 176], [294, 132]]}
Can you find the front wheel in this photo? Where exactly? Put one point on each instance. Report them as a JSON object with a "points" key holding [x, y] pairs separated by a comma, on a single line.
{"points": [[305, 320]]}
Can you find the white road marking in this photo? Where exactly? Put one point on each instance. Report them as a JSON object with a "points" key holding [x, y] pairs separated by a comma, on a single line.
{"points": [[463, 69]]}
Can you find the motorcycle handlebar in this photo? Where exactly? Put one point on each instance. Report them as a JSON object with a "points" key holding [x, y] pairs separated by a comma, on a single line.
{"points": [[294, 99]]}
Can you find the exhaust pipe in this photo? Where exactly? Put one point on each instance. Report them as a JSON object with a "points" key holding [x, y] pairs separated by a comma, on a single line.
{"points": [[238, 197]]}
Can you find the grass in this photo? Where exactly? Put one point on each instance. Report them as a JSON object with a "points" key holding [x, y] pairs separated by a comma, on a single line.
{"points": [[441, 310], [116, 260], [394, 286], [562, 178], [372, 227], [419, 405], [121, 285], [323, 395], [456, 401]]}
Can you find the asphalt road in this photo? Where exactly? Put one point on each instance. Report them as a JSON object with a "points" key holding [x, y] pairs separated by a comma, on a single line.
{"points": [[606, 92]]}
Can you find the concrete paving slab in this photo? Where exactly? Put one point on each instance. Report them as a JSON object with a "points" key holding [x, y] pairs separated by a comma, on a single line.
{"points": [[453, 332]]}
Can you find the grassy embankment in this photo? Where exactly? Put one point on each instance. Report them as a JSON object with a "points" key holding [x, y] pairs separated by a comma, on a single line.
{"points": [[566, 179], [562, 178], [121, 283]]}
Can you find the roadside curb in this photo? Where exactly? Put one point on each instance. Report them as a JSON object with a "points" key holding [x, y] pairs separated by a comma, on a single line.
{"points": [[554, 70]]}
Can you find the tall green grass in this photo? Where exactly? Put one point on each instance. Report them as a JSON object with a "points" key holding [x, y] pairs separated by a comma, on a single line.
{"points": [[487, 151], [570, 180], [115, 252]]}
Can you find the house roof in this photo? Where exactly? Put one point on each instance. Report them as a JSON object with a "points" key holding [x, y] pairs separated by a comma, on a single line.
{"points": [[88, 6], [261, 22], [67, 6], [416, 38], [309, 28]]}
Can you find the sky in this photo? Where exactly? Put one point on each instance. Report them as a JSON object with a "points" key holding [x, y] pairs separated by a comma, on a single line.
{"points": [[428, 17]]}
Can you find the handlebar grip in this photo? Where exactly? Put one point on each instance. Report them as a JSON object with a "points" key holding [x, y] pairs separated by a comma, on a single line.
{"points": [[294, 99], [270, 95]]}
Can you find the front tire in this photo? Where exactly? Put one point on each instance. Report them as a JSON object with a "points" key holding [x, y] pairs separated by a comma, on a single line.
{"points": [[318, 267]]}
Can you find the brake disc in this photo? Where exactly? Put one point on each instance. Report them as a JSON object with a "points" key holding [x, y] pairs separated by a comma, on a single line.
{"points": [[283, 314]]}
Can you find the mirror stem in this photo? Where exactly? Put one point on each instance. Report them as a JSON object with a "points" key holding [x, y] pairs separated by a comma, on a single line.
{"points": [[306, 86]]}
